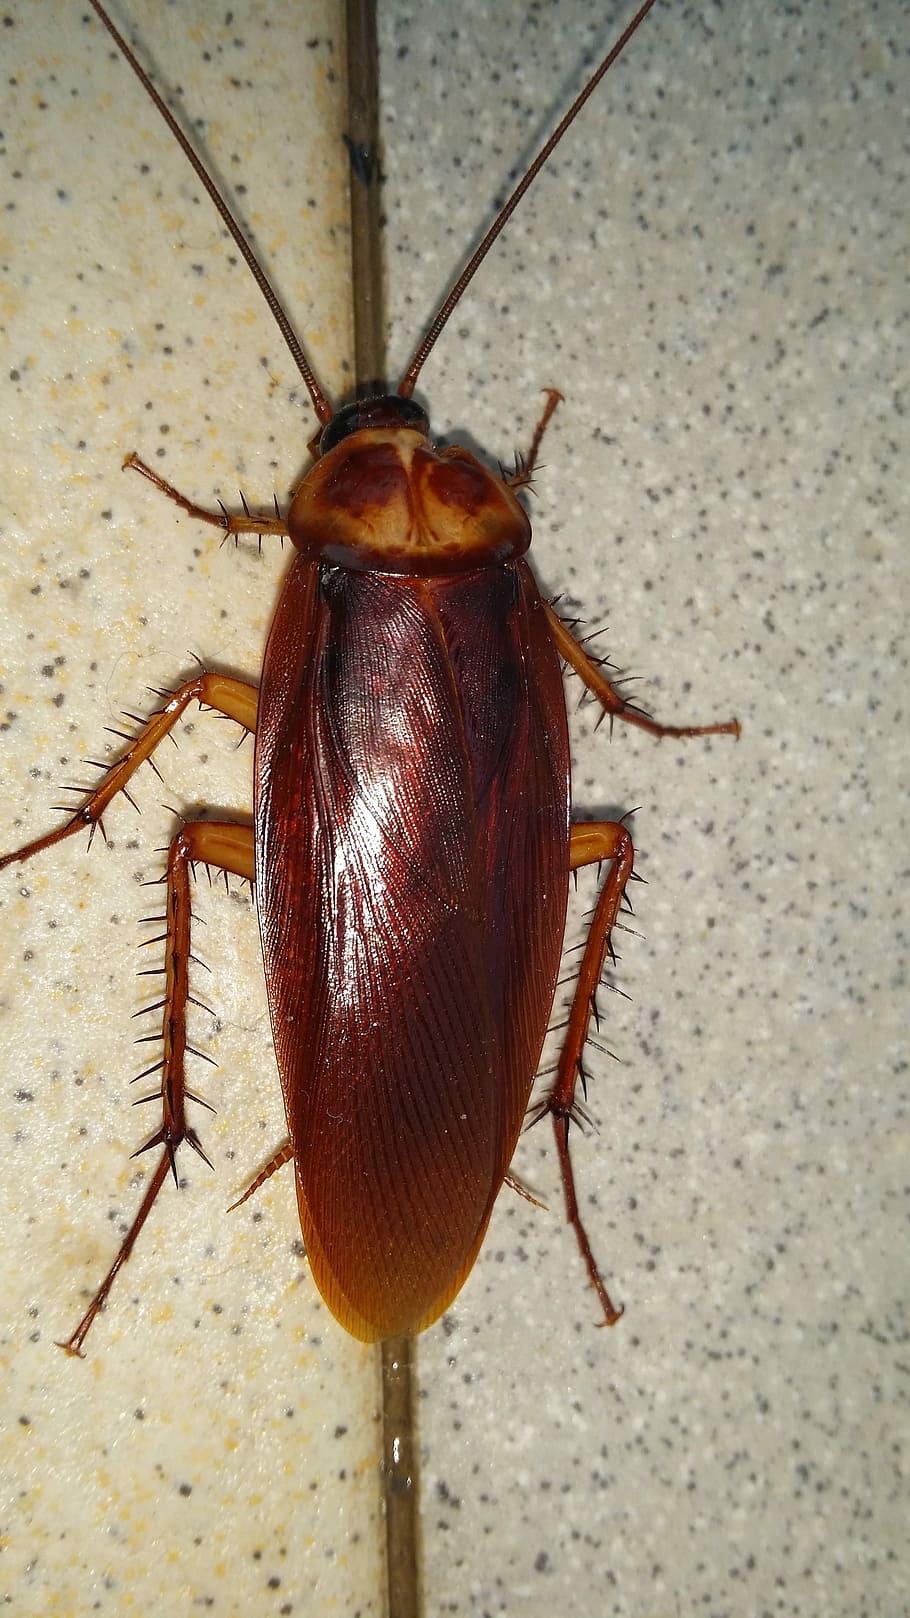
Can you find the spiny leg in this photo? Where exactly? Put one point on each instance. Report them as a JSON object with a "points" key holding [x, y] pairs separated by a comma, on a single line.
{"points": [[569, 647], [247, 524], [525, 465], [234, 698], [610, 698], [591, 842], [228, 848]]}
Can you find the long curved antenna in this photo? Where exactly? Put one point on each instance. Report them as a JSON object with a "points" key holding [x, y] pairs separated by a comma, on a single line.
{"points": [[321, 404], [408, 381]]}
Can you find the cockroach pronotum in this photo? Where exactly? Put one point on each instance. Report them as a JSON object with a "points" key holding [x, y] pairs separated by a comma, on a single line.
{"points": [[412, 843]]}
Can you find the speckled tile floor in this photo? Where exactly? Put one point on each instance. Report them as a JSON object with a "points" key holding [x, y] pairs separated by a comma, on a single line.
{"points": [[712, 275]]}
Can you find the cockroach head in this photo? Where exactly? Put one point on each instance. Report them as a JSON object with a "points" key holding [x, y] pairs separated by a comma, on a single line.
{"points": [[386, 410]]}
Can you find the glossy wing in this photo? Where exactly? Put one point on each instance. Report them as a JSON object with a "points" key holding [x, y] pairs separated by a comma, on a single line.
{"points": [[512, 698], [394, 728]]}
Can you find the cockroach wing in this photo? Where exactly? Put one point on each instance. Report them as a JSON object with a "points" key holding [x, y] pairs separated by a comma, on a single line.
{"points": [[411, 877]]}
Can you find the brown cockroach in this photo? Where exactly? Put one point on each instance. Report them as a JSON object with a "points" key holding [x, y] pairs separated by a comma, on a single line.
{"points": [[411, 846]]}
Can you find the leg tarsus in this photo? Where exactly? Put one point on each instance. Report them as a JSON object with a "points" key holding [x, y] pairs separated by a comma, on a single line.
{"points": [[573, 1217], [73, 1343]]}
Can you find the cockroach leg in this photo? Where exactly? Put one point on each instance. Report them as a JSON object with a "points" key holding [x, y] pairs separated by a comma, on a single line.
{"points": [[283, 1154], [228, 848], [525, 465], [611, 699], [521, 1190], [592, 841], [247, 524], [234, 698]]}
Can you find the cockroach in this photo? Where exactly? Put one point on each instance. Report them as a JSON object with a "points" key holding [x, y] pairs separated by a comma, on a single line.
{"points": [[412, 842]]}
